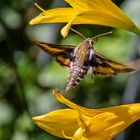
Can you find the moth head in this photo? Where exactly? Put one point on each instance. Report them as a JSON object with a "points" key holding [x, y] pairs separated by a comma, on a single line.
{"points": [[89, 42]]}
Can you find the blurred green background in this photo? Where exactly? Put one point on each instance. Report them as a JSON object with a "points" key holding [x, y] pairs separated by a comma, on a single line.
{"points": [[27, 74]]}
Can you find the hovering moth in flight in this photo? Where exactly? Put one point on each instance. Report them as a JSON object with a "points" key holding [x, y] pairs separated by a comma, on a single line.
{"points": [[81, 59]]}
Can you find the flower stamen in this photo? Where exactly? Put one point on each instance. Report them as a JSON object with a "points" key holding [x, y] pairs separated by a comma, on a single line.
{"points": [[40, 8], [65, 136]]}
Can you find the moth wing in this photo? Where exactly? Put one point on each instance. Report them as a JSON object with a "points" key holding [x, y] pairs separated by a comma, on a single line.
{"points": [[63, 60], [60, 52], [108, 67]]}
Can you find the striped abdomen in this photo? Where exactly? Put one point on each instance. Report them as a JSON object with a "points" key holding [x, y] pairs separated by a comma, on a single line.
{"points": [[76, 74]]}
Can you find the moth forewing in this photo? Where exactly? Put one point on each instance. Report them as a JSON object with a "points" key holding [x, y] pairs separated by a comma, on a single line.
{"points": [[108, 67], [49, 48], [60, 52]]}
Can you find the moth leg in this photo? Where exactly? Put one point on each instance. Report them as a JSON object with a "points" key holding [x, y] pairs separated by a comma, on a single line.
{"points": [[92, 78]]}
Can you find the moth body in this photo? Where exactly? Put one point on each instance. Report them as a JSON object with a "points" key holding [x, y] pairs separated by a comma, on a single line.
{"points": [[76, 73]]}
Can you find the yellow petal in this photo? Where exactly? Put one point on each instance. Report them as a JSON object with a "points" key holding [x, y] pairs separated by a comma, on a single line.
{"points": [[88, 124], [58, 122], [104, 123], [114, 120], [102, 12], [94, 17], [65, 29], [86, 111], [85, 5], [55, 15], [105, 6]]}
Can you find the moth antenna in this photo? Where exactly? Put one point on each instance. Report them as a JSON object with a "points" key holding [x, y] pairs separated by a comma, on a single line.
{"points": [[100, 35], [78, 33]]}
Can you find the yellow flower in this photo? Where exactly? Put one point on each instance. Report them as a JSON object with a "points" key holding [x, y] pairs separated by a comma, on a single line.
{"points": [[99, 12], [79, 123]]}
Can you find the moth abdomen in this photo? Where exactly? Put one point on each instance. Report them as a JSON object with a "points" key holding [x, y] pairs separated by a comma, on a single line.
{"points": [[77, 73]]}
